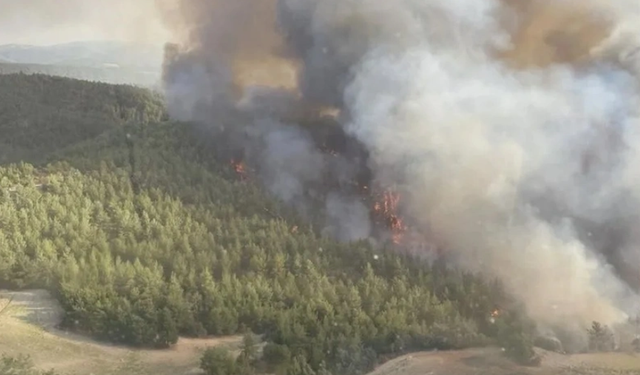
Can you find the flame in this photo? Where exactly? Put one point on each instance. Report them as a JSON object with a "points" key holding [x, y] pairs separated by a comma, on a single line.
{"points": [[240, 168], [385, 205], [387, 209], [495, 313]]}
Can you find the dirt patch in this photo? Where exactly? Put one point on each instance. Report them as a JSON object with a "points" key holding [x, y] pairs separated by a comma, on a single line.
{"points": [[491, 361], [36, 307], [27, 326], [472, 362], [617, 361]]}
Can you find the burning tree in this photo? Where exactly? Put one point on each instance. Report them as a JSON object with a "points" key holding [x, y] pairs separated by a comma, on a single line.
{"points": [[240, 169], [386, 212]]}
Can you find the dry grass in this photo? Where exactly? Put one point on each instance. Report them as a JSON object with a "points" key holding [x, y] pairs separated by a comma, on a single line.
{"points": [[27, 326], [490, 361], [617, 361]]}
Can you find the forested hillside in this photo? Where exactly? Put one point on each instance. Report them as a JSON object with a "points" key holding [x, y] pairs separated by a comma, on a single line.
{"points": [[143, 236], [42, 114]]}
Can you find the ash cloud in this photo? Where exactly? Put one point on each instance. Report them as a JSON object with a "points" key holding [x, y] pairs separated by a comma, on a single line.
{"points": [[514, 153]]}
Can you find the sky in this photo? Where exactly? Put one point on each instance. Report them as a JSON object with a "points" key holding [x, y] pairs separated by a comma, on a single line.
{"points": [[44, 22]]}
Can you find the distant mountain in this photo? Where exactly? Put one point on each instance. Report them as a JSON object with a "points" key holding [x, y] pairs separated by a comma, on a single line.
{"points": [[121, 75], [105, 61], [86, 54]]}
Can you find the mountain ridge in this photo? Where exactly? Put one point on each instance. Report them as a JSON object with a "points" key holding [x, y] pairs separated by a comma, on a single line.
{"points": [[86, 53]]}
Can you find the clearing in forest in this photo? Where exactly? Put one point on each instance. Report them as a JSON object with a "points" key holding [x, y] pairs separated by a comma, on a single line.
{"points": [[28, 321]]}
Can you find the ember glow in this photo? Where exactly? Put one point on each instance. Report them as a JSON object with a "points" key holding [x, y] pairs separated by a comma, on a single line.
{"points": [[386, 210], [240, 169]]}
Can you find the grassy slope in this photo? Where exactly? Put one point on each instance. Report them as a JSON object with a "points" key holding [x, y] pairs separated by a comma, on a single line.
{"points": [[489, 361], [27, 324]]}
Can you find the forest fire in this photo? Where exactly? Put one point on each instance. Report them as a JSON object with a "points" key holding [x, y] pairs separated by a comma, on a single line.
{"points": [[240, 169], [387, 209], [384, 205]]}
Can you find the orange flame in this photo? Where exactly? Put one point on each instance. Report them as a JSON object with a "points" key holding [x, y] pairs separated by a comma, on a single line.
{"points": [[387, 209], [240, 169], [495, 313]]}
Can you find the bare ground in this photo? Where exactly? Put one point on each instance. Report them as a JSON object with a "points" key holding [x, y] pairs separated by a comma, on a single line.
{"points": [[27, 326], [491, 361]]}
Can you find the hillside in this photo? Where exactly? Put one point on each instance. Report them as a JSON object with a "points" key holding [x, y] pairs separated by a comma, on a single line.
{"points": [[106, 74], [41, 114], [146, 240]]}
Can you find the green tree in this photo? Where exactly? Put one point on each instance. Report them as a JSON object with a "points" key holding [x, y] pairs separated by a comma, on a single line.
{"points": [[218, 361], [515, 335], [276, 355], [249, 349]]}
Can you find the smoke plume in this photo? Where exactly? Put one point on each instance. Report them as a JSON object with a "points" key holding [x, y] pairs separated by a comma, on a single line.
{"points": [[508, 129], [52, 21]]}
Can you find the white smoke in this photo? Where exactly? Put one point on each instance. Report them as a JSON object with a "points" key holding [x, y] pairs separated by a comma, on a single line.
{"points": [[521, 167], [478, 141], [348, 219]]}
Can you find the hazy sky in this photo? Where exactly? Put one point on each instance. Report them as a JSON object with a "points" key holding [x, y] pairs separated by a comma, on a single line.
{"points": [[56, 21]]}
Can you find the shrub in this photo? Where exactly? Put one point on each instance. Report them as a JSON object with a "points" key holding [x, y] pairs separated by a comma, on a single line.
{"points": [[218, 361], [551, 344]]}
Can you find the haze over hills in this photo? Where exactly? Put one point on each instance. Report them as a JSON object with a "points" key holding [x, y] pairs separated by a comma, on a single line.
{"points": [[86, 54], [104, 61]]}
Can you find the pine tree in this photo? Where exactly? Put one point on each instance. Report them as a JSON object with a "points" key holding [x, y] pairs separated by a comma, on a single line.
{"points": [[249, 349]]}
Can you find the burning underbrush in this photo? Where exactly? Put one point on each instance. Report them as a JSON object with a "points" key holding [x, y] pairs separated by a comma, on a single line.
{"points": [[384, 205]]}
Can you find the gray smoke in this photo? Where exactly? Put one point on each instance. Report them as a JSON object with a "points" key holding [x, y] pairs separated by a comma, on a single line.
{"points": [[348, 218], [513, 152]]}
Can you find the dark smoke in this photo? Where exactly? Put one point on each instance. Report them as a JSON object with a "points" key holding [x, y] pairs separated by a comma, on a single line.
{"points": [[508, 129], [301, 154]]}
